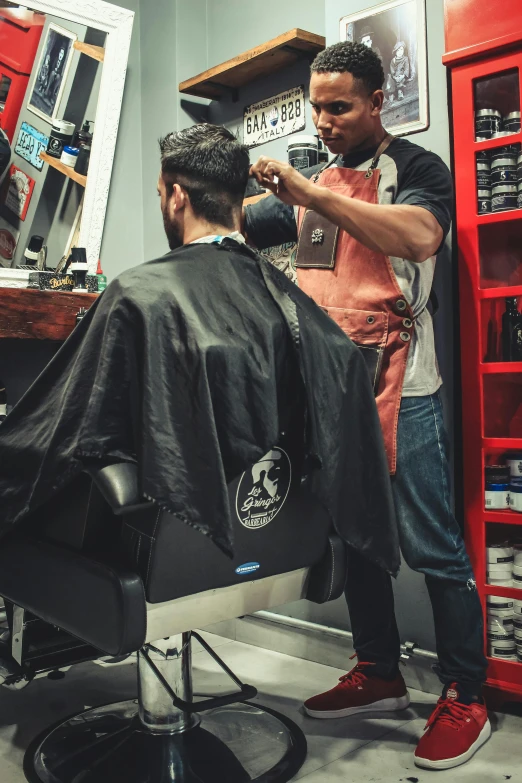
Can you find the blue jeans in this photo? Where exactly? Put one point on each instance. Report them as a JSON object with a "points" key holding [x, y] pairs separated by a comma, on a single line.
{"points": [[432, 543]]}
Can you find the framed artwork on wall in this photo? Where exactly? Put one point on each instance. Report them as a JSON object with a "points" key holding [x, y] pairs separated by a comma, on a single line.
{"points": [[51, 73], [20, 188], [396, 31]]}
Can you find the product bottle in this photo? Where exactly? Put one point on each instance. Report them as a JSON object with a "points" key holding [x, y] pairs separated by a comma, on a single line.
{"points": [[511, 332], [102, 279], [3, 402], [84, 136]]}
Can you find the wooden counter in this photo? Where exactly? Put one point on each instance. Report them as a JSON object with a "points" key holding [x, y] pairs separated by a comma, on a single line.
{"points": [[30, 314]]}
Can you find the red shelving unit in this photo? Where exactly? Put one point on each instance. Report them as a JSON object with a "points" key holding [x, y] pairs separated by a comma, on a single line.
{"points": [[490, 269]]}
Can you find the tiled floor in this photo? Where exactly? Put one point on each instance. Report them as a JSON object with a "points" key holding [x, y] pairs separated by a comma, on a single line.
{"points": [[353, 750]]}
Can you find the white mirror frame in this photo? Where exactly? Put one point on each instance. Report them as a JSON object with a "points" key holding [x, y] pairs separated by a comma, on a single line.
{"points": [[117, 23]]}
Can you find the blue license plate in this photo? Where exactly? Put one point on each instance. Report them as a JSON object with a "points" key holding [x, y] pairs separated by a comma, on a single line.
{"points": [[29, 145]]}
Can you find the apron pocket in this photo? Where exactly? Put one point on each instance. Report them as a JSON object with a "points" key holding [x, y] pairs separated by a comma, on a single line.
{"points": [[317, 243], [368, 329]]}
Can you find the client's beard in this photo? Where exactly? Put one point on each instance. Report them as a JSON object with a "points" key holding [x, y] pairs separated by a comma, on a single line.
{"points": [[173, 232]]}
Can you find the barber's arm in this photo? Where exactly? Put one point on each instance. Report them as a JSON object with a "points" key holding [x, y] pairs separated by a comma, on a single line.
{"points": [[400, 230]]}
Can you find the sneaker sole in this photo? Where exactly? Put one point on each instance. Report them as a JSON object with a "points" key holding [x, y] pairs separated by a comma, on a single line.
{"points": [[482, 738], [384, 705]]}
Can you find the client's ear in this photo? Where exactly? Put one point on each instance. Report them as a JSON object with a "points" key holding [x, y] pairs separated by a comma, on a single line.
{"points": [[178, 200]]}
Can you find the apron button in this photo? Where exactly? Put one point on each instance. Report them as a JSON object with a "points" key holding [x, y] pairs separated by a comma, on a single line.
{"points": [[408, 323], [370, 319], [405, 336], [401, 304]]}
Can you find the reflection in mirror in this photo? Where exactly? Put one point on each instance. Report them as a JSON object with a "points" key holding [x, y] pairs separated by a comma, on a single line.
{"points": [[50, 72]]}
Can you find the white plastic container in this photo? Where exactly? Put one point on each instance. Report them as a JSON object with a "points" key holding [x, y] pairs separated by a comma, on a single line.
{"points": [[501, 633], [505, 650], [500, 570], [517, 555], [501, 582], [515, 498], [515, 464], [500, 554], [501, 623], [517, 576], [517, 605], [517, 633], [496, 496], [498, 606]]}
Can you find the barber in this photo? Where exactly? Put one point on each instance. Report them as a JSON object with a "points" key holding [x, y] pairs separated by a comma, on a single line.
{"points": [[369, 227]]}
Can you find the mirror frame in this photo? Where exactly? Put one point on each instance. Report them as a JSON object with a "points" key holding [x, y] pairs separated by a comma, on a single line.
{"points": [[117, 23]]}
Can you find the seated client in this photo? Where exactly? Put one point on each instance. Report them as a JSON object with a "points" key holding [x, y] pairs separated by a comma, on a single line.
{"points": [[193, 365]]}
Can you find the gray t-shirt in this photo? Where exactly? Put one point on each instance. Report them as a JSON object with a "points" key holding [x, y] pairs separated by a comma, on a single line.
{"points": [[409, 175]]}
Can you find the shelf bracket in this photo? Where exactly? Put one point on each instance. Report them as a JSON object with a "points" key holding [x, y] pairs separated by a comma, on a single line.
{"points": [[232, 91]]}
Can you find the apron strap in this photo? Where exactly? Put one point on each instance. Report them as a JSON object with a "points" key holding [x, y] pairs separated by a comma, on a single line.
{"points": [[383, 146]]}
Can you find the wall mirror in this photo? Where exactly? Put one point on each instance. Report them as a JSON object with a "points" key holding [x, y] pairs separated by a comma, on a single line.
{"points": [[62, 75]]}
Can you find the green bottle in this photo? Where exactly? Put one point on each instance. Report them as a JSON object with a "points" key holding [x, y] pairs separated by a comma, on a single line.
{"points": [[102, 279]]}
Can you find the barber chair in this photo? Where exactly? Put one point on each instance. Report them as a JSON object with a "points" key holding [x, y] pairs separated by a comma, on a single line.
{"points": [[99, 571]]}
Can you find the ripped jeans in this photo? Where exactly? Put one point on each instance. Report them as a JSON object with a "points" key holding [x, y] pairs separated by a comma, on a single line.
{"points": [[432, 543]]}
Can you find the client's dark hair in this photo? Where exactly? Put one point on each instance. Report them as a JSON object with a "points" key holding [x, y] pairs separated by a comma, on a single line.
{"points": [[355, 58], [211, 165]]}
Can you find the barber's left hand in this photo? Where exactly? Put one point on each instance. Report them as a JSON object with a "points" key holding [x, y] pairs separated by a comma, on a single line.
{"points": [[283, 180]]}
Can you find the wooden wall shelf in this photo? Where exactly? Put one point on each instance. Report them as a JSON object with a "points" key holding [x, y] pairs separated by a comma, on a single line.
{"points": [[81, 179], [96, 52], [227, 78], [26, 313]]}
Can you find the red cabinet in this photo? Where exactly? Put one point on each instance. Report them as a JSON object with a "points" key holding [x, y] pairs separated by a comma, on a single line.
{"points": [[490, 269], [20, 33]]}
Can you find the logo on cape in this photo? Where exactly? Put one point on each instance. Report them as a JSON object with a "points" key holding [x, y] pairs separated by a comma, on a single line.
{"points": [[262, 490]]}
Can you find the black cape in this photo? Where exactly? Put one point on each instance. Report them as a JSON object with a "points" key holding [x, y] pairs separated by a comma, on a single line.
{"points": [[176, 367]]}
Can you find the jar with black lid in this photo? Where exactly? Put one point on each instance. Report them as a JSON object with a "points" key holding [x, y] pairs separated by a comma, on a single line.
{"points": [[504, 197], [504, 170], [483, 175], [303, 151], [61, 136], [484, 202], [511, 122], [487, 122]]}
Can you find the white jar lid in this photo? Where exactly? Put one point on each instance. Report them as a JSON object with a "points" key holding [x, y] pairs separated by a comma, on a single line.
{"points": [[64, 126], [499, 600], [500, 552], [303, 140]]}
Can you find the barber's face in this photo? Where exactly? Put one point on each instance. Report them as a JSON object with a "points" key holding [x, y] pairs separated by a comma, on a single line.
{"points": [[171, 218], [342, 113]]}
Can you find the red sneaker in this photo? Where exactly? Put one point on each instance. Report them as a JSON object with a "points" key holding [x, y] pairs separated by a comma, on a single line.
{"points": [[356, 693], [454, 732]]}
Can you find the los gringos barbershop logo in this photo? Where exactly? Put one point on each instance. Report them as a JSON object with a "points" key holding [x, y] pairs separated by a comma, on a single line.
{"points": [[263, 489]]}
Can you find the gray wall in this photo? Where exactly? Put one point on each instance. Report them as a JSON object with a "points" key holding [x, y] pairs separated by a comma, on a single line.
{"points": [[175, 39]]}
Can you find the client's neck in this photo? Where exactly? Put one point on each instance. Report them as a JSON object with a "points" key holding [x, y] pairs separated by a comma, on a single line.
{"points": [[200, 229]]}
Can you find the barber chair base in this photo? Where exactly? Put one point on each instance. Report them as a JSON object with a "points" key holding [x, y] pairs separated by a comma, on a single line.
{"points": [[240, 743]]}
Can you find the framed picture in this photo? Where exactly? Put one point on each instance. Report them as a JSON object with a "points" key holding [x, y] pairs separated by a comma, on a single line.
{"points": [[19, 192], [51, 73], [396, 31], [9, 236]]}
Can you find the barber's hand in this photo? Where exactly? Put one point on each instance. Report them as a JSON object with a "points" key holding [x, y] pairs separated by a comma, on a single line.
{"points": [[283, 180]]}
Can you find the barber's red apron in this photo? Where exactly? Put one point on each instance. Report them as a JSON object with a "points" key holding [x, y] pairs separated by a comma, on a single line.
{"points": [[362, 295]]}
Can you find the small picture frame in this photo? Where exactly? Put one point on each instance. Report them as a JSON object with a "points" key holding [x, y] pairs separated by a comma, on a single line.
{"points": [[19, 192], [396, 31], [51, 74]]}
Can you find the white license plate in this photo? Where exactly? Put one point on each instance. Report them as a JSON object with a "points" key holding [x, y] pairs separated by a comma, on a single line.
{"points": [[274, 117]]}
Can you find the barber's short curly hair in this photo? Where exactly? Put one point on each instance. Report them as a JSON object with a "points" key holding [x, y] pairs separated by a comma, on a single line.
{"points": [[355, 58]]}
